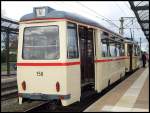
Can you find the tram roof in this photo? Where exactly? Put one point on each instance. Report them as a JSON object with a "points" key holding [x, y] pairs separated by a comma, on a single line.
{"points": [[52, 13]]}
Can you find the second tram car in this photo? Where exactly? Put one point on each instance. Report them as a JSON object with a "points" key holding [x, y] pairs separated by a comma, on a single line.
{"points": [[132, 53], [60, 53]]}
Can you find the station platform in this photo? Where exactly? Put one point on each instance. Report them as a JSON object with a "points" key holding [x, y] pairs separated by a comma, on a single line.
{"points": [[131, 95]]}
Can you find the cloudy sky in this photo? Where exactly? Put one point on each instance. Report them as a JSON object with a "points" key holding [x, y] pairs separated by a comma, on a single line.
{"points": [[106, 13]]}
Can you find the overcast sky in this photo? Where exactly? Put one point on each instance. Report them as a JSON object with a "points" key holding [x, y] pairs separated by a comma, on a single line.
{"points": [[99, 11]]}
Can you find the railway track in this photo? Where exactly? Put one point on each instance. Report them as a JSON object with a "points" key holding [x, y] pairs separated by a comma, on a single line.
{"points": [[78, 106], [8, 89]]}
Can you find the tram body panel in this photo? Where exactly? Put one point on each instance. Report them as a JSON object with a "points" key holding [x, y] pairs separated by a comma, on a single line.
{"points": [[98, 66], [99, 77], [67, 76], [73, 84], [127, 64], [136, 62], [118, 71], [127, 58], [45, 83], [105, 73], [132, 61], [107, 70], [52, 74]]}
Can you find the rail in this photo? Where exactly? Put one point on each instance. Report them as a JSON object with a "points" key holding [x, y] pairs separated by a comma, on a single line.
{"points": [[8, 88]]}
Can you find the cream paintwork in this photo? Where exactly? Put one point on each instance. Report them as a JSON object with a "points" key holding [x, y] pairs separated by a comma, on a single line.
{"points": [[42, 84], [135, 59], [98, 75], [106, 71], [52, 74], [68, 76], [127, 61]]}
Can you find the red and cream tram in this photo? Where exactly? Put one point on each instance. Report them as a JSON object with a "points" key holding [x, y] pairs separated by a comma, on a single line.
{"points": [[132, 53], [59, 53]]}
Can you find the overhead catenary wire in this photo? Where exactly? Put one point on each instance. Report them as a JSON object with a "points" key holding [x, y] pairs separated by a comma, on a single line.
{"points": [[61, 5], [120, 8], [99, 18], [115, 30], [128, 6], [130, 22], [78, 4], [96, 14], [99, 15], [82, 10]]}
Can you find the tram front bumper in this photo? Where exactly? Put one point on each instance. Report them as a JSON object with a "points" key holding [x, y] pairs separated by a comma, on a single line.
{"points": [[40, 96]]}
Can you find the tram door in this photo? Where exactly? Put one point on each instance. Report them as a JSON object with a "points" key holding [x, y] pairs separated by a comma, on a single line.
{"points": [[86, 55], [130, 55]]}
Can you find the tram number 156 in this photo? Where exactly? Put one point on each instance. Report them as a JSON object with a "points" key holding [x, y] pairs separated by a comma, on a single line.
{"points": [[39, 73]]}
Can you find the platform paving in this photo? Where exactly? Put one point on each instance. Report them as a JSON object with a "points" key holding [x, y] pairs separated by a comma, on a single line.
{"points": [[132, 95]]}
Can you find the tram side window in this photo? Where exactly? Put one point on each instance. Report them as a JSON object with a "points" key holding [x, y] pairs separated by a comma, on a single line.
{"points": [[105, 44], [138, 50], [135, 51], [104, 48], [113, 50], [41, 43], [122, 51], [72, 48], [118, 49]]}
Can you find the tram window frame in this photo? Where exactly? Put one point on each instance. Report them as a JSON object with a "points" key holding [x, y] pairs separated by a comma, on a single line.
{"points": [[113, 47], [135, 51], [138, 50], [128, 50], [122, 50], [118, 49], [39, 58], [105, 36], [104, 48], [76, 52]]}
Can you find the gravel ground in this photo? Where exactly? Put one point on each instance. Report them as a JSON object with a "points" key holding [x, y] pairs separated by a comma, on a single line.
{"points": [[12, 105]]}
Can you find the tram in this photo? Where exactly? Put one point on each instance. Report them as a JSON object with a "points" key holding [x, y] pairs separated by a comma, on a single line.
{"points": [[60, 53], [133, 55]]}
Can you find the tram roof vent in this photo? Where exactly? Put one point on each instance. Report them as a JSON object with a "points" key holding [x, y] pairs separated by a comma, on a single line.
{"points": [[42, 11]]}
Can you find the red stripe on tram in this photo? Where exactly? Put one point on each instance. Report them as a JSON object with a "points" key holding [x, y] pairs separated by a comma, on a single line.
{"points": [[66, 63], [109, 60], [48, 64], [104, 60]]}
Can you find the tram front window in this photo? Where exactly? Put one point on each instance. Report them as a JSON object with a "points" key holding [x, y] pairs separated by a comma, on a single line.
{"points": [[41, 43]]}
